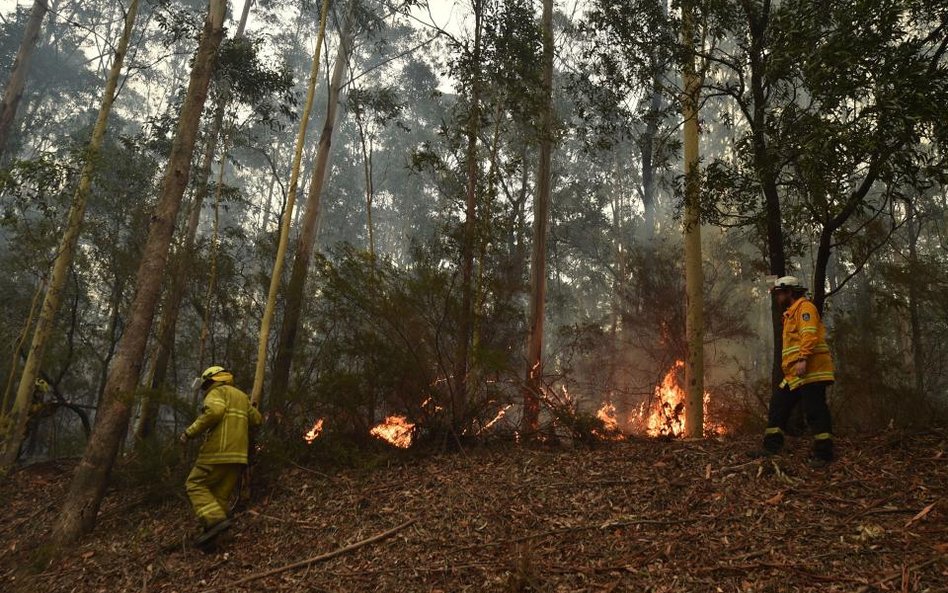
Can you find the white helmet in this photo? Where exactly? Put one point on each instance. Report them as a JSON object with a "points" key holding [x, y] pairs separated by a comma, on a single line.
{"points": [[789, 283]]}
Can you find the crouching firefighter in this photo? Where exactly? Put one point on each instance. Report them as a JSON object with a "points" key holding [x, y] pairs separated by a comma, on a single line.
{"points": [[225, 421], [807, 371]]}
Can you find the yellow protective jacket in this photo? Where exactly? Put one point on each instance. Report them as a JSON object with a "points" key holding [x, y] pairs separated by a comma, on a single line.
{"points": [[226, 418], [804, 338]]}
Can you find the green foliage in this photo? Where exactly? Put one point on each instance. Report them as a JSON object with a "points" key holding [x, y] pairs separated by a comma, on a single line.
{"points": [[253, 82], [383, 341]]}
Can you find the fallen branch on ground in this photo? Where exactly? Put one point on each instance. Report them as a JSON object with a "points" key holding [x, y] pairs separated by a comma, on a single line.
{"points": [[314, 559]]}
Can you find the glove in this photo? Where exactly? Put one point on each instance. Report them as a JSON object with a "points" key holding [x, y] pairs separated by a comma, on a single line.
{"points": [[799, 368], [183, 439]]}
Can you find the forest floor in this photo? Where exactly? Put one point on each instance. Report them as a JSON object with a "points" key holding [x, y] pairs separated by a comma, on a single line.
{"points": [[645, 516]]}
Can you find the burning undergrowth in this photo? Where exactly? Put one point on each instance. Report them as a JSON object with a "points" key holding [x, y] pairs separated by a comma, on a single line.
{"points": [[660, 414]]}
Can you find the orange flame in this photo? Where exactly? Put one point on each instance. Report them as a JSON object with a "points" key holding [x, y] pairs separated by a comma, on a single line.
{"points": [[395, 430], [607, 414], [313, 433], [497, 418], [665, 414]]}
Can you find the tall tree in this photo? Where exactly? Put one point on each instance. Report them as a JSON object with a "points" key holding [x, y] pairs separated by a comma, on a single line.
{"points": [[82, 501], [293, 304], [277, 273], [694, 277], [541, 220], [21, 66], [468, 233], [64, 257], [183, 261]]}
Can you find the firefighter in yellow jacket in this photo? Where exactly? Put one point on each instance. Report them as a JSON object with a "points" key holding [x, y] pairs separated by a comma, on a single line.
{"points": [[225, 421], [807, 371]]}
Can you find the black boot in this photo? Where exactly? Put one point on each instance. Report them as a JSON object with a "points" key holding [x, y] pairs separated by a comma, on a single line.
{"points": [[822, 453], [212, 532], [772, 444]]}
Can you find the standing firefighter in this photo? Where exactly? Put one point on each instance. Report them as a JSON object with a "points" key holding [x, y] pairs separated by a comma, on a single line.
{"points": [[226, 418], [807, 371]]}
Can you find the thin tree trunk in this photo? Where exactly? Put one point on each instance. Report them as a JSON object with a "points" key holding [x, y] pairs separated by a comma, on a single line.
{"points": [[85, 494], [369, 186], [67, 247], [647, 149], [758, 20], [469, 233], [293, 303], [182, 263], [918, 351], [118, 289], [277, 274], [21, 67], [480, 294], [18, 346], [541, 222], [212, 272], [694, 277]]}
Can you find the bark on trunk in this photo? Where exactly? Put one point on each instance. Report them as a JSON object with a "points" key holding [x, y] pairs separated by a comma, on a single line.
{"points": [[277, 274], [182, 264], [364, 143], [758, 22], [468, 235], [87, 489], [67, 247], [918, 350], [21, 67], [541, 221], [694, 276], [293, 303]]}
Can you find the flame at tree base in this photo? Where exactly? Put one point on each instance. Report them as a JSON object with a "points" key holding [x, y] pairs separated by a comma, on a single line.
{"points": [[664, 414]]}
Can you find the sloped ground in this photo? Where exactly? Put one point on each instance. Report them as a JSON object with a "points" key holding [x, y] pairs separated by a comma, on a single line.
{"points": [[633, 516]]}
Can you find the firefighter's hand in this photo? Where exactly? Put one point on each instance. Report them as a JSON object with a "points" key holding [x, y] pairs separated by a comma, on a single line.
{"points": [[183, 439], [799, 368]]}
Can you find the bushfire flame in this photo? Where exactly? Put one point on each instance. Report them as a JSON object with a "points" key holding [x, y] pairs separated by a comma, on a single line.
{"points": [[665, 413], [313, 433], [500, 415], [396, 431], [607, 414]]}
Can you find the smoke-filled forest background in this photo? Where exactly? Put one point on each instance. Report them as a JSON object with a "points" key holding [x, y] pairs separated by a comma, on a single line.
{"points": [[410, 283]]}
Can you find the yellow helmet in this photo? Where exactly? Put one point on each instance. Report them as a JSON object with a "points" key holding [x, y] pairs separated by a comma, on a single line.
{"points": [[211, 371]]}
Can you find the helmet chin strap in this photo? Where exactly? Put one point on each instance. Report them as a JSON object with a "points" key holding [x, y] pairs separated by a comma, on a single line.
{"points": [[196, 383]]}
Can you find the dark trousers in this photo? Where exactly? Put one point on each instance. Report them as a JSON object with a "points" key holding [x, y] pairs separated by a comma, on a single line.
{"points": [[782, 403]]}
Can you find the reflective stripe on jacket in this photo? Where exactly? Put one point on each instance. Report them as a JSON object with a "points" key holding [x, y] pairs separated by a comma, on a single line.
{"points": [[804, 338], [226, 418]]}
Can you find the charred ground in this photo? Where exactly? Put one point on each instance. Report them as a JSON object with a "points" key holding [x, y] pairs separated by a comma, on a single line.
{"points": [[631, 516]]}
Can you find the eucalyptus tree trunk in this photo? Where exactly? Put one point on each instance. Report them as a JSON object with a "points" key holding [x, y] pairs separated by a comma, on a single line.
{"points": [[277, 274], [647, 146], [468, 235], [19, 415], [365, 142], [293, 299], [21, 66], [87, 489], [18, 346], [182, 264], [694, 277], [913, 228], [541, 221], [758, 24]]}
